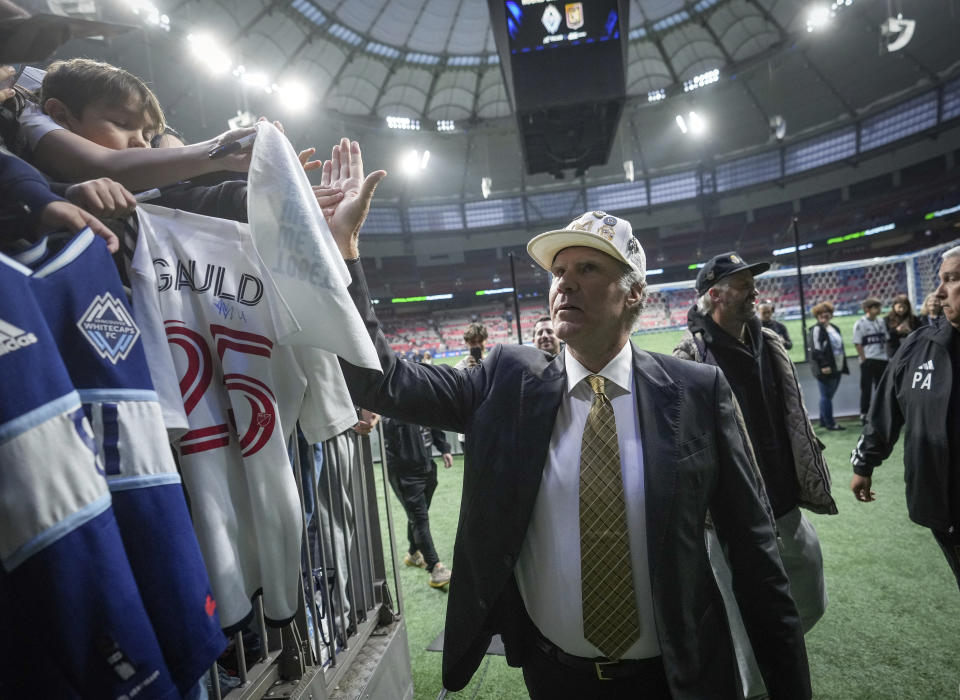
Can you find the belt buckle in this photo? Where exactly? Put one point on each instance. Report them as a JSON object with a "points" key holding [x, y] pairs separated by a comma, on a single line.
{"points": [[599, 665]]}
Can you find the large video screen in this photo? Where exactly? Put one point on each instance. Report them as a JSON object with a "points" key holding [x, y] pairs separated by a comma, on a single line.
{"points": [[540, 25]]}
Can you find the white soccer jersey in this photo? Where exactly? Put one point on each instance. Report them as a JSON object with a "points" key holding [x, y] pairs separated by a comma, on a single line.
{"points": [[208, 309]]}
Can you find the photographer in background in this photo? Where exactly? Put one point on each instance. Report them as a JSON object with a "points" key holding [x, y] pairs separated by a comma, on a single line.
{"points": [[475, 337]]}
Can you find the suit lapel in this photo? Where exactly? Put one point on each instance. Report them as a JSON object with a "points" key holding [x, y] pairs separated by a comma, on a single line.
{"points": [[658, 406], [540, 396]]}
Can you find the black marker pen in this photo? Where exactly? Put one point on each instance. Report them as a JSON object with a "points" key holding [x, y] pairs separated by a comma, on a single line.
{"points": [[226, 149]]}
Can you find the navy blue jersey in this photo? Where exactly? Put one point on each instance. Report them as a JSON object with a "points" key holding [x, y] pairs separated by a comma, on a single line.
{"points": [[73, 619], [81, 297]]}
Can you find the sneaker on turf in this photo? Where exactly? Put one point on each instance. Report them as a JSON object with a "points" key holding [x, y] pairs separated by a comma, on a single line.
{"points": [[415, 559], [440, 576]]}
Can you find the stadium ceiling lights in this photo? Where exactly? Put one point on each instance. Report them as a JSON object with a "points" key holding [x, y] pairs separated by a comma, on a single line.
{"points": [[414, 161], [692, 124], [698, 81], [445, 125], [207, 51], [150, 14], [819, 16], [403, 123]]}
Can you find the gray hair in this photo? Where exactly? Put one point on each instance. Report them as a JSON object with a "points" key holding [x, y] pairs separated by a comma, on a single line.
{"points": [[631, 277], [952, 253], [705, 301]]}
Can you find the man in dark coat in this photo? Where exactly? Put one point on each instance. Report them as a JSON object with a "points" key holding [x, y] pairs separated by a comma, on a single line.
{"points": [[413, 476], [671, 449]]}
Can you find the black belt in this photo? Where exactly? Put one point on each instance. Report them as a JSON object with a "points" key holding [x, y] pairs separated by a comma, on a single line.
{"points": [[605, 669]]}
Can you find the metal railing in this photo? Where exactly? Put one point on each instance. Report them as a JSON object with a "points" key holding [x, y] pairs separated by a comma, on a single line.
{"points": [[347, 636]]}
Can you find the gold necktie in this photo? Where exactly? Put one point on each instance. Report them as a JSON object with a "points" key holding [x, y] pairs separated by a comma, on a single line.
{"points": [[610, 618]]}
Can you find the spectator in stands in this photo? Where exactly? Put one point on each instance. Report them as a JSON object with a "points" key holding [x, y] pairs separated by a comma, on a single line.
{"points": [[930, 313], [870, 338], [475, 338], [723, 330], [921, 390], [828, 360], [901, 322], [766, 310], [544, 337], [413, 475], [426, 358]]}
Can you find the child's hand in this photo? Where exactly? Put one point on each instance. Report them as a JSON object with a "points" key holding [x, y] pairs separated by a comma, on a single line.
{"points": [[59, 215], [305, 161], [239, 162], [104, 198]]}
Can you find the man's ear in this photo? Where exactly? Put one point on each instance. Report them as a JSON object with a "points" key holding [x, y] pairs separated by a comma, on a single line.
{"points": [[60, 113], [635, 295]]}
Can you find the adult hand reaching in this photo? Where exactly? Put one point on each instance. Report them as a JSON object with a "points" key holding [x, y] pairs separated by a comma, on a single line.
{"points": [[447, 460], [64, 215], [6, 75], [103, 197], [344, 195]]}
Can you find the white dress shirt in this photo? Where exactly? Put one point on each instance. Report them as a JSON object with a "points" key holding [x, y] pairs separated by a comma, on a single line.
{"points": [[548, 568]]}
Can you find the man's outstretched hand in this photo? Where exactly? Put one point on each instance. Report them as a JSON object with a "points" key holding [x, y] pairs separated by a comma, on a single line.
{"points": [[344, 195]]}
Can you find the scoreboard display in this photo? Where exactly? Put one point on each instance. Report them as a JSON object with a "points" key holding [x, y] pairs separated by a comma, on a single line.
{"points": [[564, 67], [539, 25]]}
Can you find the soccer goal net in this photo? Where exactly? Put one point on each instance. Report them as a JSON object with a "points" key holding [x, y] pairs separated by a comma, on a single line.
{"points": [[844, 284]]}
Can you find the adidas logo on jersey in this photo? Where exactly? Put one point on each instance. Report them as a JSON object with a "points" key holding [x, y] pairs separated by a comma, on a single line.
{"points": [[923, 377], [109, 328], [13, 338]]}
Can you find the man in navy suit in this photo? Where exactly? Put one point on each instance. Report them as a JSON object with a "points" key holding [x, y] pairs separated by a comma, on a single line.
{"points": [[521, 569]]}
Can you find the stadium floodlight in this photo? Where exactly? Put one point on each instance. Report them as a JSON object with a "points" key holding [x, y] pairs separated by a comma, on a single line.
{"points": [[656, 95], [255, 79], [445, 125], [414, 161], [486, 186], [697, 125], [778, 126], [818, 17], [699, 81], [207, 51], [681, 122], [404, 123], [294, 96]]}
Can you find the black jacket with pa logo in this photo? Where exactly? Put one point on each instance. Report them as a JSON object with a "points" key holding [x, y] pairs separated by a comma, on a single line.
{"points": [[914, 394]]}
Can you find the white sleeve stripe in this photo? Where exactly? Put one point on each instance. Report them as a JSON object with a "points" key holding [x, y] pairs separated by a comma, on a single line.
{"points": [[99, 395], [138, 482], [53, 534], [67, 255], [10, 262], [38, 416]]}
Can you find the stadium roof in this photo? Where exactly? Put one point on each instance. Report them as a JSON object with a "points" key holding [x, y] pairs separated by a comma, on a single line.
{"points": [[430, 60]]}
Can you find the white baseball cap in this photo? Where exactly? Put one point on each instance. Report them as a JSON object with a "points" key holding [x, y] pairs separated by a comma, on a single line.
{"points": [[594, 229]]}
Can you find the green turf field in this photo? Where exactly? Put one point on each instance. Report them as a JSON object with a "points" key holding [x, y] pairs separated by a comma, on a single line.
{"points": [[890, 630], [666, 341]]}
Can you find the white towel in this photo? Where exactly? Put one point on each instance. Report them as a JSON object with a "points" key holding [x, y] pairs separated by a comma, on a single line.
{"points": [[297, 246]]}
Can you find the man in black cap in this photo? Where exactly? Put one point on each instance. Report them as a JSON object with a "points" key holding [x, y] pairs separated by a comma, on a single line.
{"points": [[723, 330]]}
